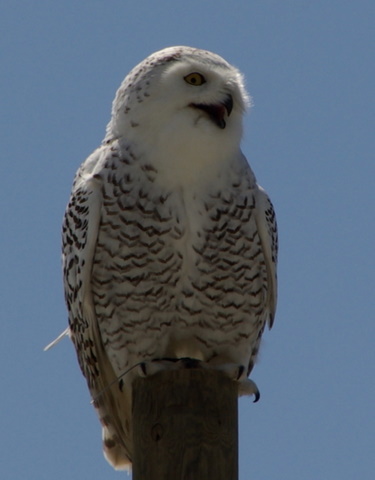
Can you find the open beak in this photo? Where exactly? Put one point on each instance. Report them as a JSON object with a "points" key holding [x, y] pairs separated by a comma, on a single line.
{"points": [[217, 112]]}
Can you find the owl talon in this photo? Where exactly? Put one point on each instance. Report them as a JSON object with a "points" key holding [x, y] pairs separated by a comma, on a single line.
{"points": [[248, 387], [257, 396], [143, 369], [241, 370], [232, 370]]}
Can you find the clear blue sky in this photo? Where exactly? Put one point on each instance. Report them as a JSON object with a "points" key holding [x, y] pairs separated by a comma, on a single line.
{"points": [[310, 136]]}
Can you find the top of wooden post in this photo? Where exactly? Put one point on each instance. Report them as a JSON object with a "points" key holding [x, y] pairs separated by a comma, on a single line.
{"points": [[185, 426]]}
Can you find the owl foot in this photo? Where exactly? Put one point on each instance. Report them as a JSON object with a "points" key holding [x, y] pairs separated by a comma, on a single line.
{"points": [[233, 371], [247, 387], [159, 364], [238, 373]]}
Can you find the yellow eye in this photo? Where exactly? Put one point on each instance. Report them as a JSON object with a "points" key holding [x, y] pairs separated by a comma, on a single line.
{"points": [[195, 79]]}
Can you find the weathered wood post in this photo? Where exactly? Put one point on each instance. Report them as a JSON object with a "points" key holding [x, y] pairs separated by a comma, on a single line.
{"points": [[185, 426]]}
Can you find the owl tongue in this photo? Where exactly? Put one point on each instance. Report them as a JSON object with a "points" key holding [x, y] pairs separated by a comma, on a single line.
{"points": [[217, 112]]}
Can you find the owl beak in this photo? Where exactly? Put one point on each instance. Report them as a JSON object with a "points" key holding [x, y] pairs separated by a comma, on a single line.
{"points": [[228, 104], [217, 112]]}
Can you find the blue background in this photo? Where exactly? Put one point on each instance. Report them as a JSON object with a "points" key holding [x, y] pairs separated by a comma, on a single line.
{"points": [[309, 66]]}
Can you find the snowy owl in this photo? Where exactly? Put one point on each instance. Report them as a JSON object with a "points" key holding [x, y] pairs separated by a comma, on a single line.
{"points": [[169, 244]]}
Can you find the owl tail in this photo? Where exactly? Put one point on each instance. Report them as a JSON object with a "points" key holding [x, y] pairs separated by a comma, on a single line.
{"points": [[114, 452]]}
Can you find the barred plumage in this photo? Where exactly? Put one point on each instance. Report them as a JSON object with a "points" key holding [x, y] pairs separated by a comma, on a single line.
{"points": [[169, 244]]}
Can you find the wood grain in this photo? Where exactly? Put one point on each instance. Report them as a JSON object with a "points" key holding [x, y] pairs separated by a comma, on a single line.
{"points": [[185, 426]]}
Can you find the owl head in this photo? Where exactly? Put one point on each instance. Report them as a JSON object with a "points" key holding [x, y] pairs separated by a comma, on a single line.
{"points": [[180, 95]]}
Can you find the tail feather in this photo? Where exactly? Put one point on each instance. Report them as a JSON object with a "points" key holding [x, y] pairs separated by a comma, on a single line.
{"points": [[114, 451]]}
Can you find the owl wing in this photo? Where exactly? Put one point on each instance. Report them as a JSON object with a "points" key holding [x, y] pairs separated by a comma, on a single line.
{"points": [[79, 237], [267, 229]]}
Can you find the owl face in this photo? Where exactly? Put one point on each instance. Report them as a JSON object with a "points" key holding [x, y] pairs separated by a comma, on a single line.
{"points": [[181, 94], [205, 88]]}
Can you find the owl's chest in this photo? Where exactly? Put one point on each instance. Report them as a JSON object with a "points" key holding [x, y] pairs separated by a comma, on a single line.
{"points": [[157, 246]]}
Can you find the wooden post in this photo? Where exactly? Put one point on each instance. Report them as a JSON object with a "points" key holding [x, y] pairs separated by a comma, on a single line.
{"points": [[185, 426]]}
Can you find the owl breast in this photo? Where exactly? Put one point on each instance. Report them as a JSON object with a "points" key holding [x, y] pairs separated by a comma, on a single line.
{"points": [[177, 274]]}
